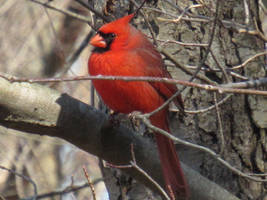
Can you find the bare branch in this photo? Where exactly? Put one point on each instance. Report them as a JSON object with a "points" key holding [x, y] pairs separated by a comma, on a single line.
{"points": [[92, 10], [48, 112], [205, 109], [146, 20], [133, 164], [89, 183], [249, 60], [66, 12], [199, 147], [226, 88], [235, 67], [181, 43], [219, 123], [184, 69], [26, 178], [212, 34], [66, 190], [247, 84]]}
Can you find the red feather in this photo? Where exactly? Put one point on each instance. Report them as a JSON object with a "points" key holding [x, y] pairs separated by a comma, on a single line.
{"points": [[122, 50]]}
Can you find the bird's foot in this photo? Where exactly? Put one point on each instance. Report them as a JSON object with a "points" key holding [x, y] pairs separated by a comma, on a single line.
{"points": [[136, 122]]}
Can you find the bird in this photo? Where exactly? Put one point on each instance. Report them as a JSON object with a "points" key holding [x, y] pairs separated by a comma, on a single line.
{"points": [[120, 49]]}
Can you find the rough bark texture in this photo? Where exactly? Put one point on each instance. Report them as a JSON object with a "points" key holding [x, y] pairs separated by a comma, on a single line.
{"points": [[243, 117]]}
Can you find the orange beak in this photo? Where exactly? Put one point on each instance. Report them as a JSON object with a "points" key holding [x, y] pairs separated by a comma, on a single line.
{"points": [[98, 41]]}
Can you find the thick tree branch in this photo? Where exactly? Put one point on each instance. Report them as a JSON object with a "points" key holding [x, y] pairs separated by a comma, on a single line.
{"points": [[36, 109]]}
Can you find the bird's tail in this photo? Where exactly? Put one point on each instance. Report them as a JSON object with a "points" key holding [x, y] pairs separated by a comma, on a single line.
{"points": [[175, 182]]}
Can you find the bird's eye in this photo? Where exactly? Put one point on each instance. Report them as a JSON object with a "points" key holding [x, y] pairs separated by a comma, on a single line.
{"points": [[100, 33], [112, 35]]}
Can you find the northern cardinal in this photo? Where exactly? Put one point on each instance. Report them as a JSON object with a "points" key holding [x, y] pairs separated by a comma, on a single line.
{"points": [[122, 50]]}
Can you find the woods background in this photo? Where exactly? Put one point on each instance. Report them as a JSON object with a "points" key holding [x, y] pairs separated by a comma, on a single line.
{"points": [[37, 41]]}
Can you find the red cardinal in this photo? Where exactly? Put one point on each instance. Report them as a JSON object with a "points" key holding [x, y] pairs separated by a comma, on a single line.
{"points": [[122, 50]]}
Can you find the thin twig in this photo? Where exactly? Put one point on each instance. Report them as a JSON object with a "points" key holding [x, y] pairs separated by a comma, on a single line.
{"points": [[235, 67], [220, 123], [218, 70], [147, 22], [246, 9], [118, 166], [132, 152], [205, 109], [189, 16], [183, 18], [26, 178], [98, 14], [220, 67], [260, 175], [182, 14], [258, 31], [240, 28], [134, 165], [139, 7], [66, 12], [184, 69], [239, 76], [203, 60], [73, 57], [164, 104], [221, 89], [64, 191], [182, 43], [199, 147], [89, 182], [249, 60]]}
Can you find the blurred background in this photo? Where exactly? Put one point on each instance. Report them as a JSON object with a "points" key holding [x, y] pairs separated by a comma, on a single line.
{"points": [[38, 42]]}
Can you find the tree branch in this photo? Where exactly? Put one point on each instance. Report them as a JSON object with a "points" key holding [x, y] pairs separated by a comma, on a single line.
{"points": [[225, 88], [36, 109]]}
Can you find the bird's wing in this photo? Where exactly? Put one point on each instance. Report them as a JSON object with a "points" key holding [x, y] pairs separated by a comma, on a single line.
{"points": [[154, 67]]}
